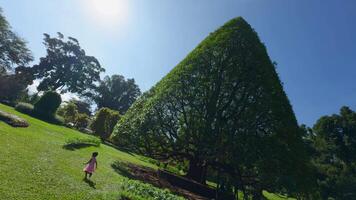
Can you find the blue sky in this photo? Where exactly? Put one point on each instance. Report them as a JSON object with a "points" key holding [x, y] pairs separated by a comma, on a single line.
{"points": [[313, 41]]}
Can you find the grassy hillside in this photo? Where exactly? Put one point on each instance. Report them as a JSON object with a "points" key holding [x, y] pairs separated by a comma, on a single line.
{"points": [[34, 165]]}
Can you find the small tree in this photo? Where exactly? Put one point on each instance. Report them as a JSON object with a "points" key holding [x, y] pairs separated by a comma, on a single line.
{"points": [[48, 104], [104, 122], [69, 112], [81, 121]]}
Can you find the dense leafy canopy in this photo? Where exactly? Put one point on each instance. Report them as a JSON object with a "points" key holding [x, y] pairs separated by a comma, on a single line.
{"points": [[83, 107], [48, 104], [223, 106], [13, 50], [13, 53], [116, 93], [66, 67], [104, 122], [335, 158]]}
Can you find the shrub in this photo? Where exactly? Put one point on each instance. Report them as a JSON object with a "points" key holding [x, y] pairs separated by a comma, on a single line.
{"points": [[48, 104], [104, 122], [29, 109], [13, 120], [81, 121], [78, 143], [94, 141], [69, 112], [24, 108], [140, 190]]}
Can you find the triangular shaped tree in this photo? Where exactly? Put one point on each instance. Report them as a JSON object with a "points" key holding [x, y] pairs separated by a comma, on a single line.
{"points": [[224, 107]]}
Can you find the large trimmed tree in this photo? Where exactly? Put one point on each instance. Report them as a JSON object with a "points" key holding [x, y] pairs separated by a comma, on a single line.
{"points": [[224, 107]]}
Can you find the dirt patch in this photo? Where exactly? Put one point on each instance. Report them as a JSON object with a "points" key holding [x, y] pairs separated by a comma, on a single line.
{"points": [[155, 178]]}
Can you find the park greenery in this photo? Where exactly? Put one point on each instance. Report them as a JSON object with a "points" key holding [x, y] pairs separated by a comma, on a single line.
{"points": [[219, 118]]}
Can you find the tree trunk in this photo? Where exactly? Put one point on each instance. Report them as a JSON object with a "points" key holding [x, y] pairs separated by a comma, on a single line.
{"points": [[197, 171]]}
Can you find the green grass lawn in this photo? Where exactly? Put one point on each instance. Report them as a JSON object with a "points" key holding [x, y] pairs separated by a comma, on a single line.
{"points": [[34, 165]]}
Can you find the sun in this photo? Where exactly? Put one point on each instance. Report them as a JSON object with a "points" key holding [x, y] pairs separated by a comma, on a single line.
{"points": [[107, 12]]}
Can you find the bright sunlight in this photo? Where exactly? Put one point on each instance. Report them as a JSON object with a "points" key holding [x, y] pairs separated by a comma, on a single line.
{"points": [[107, 12]]}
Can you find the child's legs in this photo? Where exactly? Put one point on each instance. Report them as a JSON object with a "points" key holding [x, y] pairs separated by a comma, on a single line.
{"points": [[90, 174], [86, 174]]}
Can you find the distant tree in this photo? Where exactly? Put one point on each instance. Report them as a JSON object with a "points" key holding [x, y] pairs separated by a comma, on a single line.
{"points": [[116, 93], [104, 121], [14, 86], [66, 67], [81, 121], [13, 49], [222, 107], [13, 53], [335, 157], [48, 104], [83, 107], [69, 112]]}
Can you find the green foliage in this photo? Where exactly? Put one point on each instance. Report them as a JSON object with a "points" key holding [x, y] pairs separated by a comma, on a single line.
{"points": [[13, 51], [116, 93], [69, 112], [147, 192], [39, 154], [24, 108], [104, 121], [48, 104], [13, 86], [223, 106], [66, 67], [82, 106], [81, 121], [335, 157]]}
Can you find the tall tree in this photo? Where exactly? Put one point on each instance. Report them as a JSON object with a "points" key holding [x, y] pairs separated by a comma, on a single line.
{"points": [[66, 67], [13, 49], [223, 106], [335, 143], [83, 107], [13, 54], [116, 93]]}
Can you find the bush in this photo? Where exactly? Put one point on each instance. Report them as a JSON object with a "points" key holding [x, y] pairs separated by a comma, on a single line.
{"points": [[104, 122], [48, 104], [13, 120], [69, 112], [93, 141], [81, 121], [138, 190], [28, 109], [78, 143], [24, 108]]}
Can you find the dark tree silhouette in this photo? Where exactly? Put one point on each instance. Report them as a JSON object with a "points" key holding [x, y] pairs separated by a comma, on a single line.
{"points": [[66, 67], [13, 49], [116, 93]]}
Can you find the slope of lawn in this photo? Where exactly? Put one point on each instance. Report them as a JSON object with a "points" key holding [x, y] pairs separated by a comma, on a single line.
{"points": [[34, 165]]}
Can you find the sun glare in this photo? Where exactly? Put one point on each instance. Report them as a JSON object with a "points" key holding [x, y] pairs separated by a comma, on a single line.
{"points": [[108, 12]]}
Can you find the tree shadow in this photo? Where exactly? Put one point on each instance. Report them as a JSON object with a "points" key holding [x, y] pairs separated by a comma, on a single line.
{"points": [[90, 183], [75, 146], [123, 169], [118, 148]]}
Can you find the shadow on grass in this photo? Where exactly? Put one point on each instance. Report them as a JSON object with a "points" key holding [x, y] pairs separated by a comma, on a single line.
{"points": [[123, 169], [90, 183], [116, 147], [75, 146]]}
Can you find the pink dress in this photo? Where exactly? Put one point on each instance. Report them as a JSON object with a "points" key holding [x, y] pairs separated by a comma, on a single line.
{"points": [[90, 168]]}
